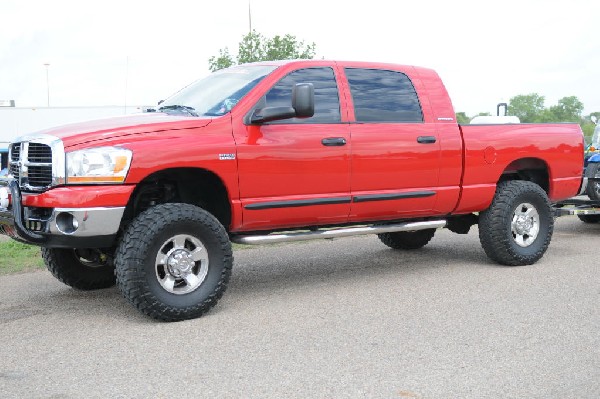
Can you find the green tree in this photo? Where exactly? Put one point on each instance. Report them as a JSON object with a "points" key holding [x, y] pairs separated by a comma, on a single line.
{"points": [[251, 48], [462, 118], [223, 60], [588, 131], [588, 126], [569, 109], [528, 107], [256, 47]]}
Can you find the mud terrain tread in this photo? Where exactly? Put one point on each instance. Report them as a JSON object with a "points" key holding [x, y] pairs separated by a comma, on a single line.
{"points": [[494, 224], [131, 274], [65, 267], [407, 240], [589, 218]]}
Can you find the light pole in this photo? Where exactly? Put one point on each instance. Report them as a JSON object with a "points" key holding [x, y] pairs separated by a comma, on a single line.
{"points": [[249, 17], [47, 83]]}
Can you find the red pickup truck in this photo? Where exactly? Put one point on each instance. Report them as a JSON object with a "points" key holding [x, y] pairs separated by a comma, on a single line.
{"points": [[272, 152]]}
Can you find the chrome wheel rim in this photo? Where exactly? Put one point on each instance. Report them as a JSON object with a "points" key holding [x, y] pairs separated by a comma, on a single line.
{"points": [[181, 264], [525, 225]]}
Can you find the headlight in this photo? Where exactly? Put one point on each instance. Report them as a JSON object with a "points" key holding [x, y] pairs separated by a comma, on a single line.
{"points": [[98, 165]]}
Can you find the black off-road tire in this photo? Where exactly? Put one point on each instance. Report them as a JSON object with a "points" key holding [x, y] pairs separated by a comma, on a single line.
{"points": [[407, 239], [589, 218], [137, 261], [78, 269], [593, 188], [496, 233]]}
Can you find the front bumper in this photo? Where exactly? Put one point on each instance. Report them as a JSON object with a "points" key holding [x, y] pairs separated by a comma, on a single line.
{"points": [[89, 227]]}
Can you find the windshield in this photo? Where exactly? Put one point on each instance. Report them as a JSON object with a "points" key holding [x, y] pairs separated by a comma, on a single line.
{"points": [[216, 94]]}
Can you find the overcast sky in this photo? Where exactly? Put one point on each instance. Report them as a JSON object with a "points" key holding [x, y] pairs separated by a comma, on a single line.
{"points": [[138, 52]]}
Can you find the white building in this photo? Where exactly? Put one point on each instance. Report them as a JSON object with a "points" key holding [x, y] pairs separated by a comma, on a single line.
{"points": [[17, 121]]}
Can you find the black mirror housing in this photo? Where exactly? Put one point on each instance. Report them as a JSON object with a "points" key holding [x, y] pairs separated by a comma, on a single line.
{"points": [[303, 100], [303, 106], [268, 114]]}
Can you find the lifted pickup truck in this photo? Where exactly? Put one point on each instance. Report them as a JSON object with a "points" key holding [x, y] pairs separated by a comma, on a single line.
{"points": [[273, 152]]}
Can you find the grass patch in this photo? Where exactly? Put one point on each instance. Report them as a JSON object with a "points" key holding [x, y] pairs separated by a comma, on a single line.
{"points": [[16, 257]]}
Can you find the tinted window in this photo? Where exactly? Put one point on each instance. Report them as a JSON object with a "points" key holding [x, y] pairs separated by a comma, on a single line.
{"points": [[327, 102], [383, 96]]}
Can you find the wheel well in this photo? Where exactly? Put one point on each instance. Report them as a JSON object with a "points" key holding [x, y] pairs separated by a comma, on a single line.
{"points": [[530, 169], [186, 185]]}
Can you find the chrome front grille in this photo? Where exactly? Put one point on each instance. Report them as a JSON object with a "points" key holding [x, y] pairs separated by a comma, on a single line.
{"points": [[40, 176], [15, 156], [31, 163], [39, 153]]}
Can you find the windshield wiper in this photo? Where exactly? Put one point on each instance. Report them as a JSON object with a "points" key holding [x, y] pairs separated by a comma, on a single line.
{"points": [[190, 110]]}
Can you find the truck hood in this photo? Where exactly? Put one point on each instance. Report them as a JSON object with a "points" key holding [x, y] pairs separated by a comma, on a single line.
{"points": [[110, 128]]}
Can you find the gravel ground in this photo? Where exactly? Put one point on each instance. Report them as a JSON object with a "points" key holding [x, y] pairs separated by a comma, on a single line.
{"points": [[347, 318]]}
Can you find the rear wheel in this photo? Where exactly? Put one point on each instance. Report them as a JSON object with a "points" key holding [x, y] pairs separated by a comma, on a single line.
{"points": [[407, 239], [174, 262], [84, 269], [589, 218], [517, 227]]}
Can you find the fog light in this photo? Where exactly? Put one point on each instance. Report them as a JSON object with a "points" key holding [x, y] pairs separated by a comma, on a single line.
{"points": [[66, 223]]}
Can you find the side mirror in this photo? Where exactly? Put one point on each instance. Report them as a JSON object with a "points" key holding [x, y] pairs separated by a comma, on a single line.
{"points": [[303, 100], [594, 119], [303, 106]]}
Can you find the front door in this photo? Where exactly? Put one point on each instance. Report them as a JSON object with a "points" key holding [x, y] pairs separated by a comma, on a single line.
{"points": [[296, 172]]}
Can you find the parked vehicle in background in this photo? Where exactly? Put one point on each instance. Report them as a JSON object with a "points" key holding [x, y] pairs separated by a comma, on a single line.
{"points": [[3, 155], [274, 152], [592, 163], [3, 159]]}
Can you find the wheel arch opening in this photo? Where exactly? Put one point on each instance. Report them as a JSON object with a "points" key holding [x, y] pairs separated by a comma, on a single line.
{"points": [[529, 169], [195, 186]]}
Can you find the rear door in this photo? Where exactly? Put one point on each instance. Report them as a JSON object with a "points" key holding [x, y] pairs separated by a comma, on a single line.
{"points": [[395, 154]]}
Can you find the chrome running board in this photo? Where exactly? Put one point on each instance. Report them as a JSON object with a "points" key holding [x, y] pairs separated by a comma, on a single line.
{"points": [[336, 232]]}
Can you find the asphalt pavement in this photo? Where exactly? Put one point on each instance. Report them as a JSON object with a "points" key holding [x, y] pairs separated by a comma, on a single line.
{"points": [[344, 318]]}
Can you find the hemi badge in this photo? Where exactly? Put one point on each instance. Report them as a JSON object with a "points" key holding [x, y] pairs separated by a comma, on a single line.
{"points": [[225, 157], [445, 119]]}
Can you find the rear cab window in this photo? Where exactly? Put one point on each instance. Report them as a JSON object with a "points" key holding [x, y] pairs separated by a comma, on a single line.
{"points": [[383, 96]]}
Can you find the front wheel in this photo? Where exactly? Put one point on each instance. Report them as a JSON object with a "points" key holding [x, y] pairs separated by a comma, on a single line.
{"points": [[174, 262], [517, 227], [83, 269]]}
